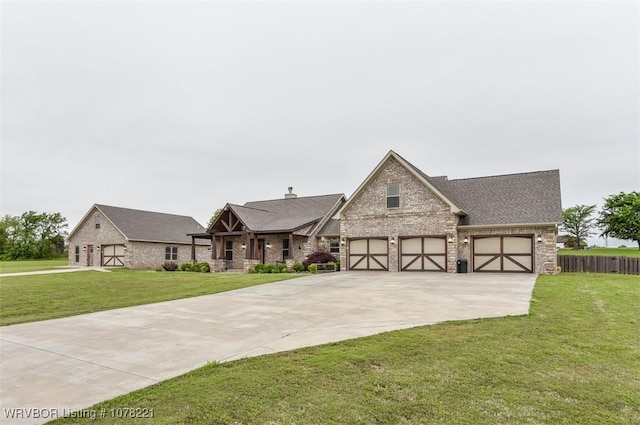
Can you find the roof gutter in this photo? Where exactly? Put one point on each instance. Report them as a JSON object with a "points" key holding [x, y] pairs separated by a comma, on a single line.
{"points": [[511, 225]]}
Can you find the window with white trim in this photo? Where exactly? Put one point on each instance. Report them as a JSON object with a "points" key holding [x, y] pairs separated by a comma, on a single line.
{"points": [[171, 253], [393, 195], [334, 246]]}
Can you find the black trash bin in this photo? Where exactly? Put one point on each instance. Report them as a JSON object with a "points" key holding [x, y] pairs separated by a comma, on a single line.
{"points": [[462, 266]]}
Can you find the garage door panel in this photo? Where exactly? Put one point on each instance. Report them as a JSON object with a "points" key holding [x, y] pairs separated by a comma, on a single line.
{"points": [[503, 254], [368, 254], [517, 245], [435, 263], [412, 246], [517, 263], [113, 255], [423, 254], [358, 246], [378, 246], [487, 246], [487, 262], [434, 246]]}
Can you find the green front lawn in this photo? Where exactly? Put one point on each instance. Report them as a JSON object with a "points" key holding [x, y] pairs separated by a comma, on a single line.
{"points": [[42, 297], [615, 252], [573, 360], [32, 265]]}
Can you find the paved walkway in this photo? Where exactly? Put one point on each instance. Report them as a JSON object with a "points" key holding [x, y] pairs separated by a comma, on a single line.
{"points": [[55, 271], [74, 362]]}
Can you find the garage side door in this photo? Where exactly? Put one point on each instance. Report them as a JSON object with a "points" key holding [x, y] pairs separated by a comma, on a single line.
{"points": [[503, 254], [423, 254], [368, 254], [113, 255]]}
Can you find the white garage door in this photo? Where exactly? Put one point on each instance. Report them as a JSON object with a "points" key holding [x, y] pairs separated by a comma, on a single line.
{"points": [[113, 255], [423, 254], [503, 254], [368, 254]]}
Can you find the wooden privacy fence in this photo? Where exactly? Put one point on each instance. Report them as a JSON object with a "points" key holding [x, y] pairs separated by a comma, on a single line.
{"points": [[599, 264]]}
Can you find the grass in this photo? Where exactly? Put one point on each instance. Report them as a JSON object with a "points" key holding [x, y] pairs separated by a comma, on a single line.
{"points": [[616, 252], [573, 360], [32, 265], [33, 298]]}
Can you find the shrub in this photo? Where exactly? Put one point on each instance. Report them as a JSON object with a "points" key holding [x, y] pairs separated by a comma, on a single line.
{"points": [[283, 268], [268, 268], [313, 268], [202, 267], [186, 267], [258, 268], [170, 266], [318, 257], [298, 267]]}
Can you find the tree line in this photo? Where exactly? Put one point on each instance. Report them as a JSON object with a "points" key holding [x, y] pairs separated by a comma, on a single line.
{"points": [[619, 218], [32, 236]]}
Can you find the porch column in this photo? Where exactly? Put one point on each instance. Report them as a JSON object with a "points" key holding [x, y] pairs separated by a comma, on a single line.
{"points": [[222, 251], [291, 251], [213, 247], [255, 247], [247, 247], [193, 249]]}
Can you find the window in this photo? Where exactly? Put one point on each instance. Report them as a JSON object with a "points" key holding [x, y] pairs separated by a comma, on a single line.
{"points": [[393, 195], [228, 250], [171, 253], [77, 254], [285, 249], [97, 221], [334, 246]]}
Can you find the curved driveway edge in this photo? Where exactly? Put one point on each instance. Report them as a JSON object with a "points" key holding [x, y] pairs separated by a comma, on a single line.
{"points": [[75, 362]]}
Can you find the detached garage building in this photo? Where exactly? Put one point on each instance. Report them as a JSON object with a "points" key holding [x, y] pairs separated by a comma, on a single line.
{"points": [[121, 237], [400, 219]]}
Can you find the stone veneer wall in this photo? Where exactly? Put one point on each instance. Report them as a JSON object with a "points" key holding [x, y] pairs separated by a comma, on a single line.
{"points": [[86, 234], [421, 213], [151, 255]]}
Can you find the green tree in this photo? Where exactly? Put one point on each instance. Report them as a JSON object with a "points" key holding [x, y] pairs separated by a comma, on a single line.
{"points": [[620, 216], [578, 222], [32, 236], [214, 217]]}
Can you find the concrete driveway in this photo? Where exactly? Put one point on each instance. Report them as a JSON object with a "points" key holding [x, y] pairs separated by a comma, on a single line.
{"points": [[72, 363]]}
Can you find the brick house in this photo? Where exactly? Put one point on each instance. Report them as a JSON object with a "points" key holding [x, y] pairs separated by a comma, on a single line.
{"points": [[121, 237], [400, 219], [275, 231]]}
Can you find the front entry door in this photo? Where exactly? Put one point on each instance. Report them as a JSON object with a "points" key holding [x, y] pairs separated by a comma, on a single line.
{"points": [[90, 255]]}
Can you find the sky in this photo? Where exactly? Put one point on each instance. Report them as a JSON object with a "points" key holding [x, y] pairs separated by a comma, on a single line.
{"points": [[181, 107]]}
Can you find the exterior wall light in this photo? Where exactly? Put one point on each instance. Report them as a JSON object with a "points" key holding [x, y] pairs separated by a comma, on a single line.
{"points": [[393, 240], [342, 242], [268, 245], [450, 239], [539, 238], [466, 240], [84, 248], [243, 246]]}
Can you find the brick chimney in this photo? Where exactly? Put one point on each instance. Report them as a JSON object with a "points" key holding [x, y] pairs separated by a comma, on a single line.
{"points": [[290, 195]]}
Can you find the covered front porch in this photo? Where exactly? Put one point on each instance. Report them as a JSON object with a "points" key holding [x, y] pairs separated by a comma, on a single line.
{"points": [[233, 246]]}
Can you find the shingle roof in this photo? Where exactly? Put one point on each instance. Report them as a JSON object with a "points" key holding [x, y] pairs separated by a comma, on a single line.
{"points": [[525, 198], [532, 197], [331, 228], [288, 214], [148, 226], [507, 199]]}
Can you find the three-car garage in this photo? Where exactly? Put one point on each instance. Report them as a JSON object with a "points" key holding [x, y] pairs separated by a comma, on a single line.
{"points": [[494, 253]]}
